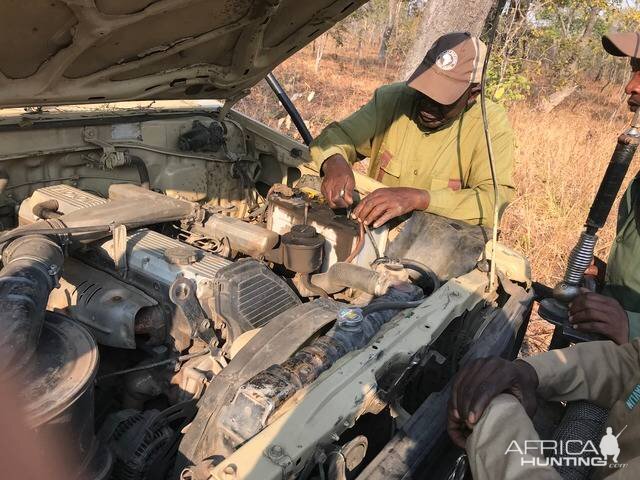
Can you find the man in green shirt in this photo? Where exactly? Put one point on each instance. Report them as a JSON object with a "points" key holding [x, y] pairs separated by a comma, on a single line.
{"points": [[491, 398], [425, 141], [616, 314]]}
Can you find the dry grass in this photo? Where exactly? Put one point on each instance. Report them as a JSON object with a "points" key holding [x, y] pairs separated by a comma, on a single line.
{"points": [[560, 160]]}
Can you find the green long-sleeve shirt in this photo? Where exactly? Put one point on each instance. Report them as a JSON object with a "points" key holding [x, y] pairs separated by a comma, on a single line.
{"points": [[623, 275], [451, 163]]}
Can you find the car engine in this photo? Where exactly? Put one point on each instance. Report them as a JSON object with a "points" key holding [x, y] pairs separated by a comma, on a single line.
{"points": [[171, 291], [161, 322]]}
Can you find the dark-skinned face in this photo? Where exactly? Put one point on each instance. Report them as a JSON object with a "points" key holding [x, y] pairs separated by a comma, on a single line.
{"points": [[433, 115], [633, 87]]}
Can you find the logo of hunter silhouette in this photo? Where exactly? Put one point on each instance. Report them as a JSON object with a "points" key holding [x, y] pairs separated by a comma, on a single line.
{"points": [[570, 453]]}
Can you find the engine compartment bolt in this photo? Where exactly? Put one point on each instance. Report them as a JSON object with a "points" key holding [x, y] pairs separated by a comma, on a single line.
{"points": [[230, 472], [276, 451]]}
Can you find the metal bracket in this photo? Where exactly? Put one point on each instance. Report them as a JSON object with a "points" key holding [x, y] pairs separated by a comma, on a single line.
{"points": [[279, 457], [183, 294], [119, 253], [110, 158]]}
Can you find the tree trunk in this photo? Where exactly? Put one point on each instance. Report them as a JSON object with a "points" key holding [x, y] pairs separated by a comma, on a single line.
{"points": [[392, 16], [322, 43], [591, 23], [444, 16]]}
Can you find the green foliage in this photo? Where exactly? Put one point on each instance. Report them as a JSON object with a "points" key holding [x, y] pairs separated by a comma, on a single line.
{"points": [[507, 83]]}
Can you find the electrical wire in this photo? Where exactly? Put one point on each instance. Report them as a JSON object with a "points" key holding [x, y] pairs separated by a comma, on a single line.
{"points": [[359, 245], [485, 120], [139, 368], [373, 242]]}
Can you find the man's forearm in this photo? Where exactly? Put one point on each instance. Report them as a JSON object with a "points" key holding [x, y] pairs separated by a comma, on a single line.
{"points": [[336, 161], [595, 371]]}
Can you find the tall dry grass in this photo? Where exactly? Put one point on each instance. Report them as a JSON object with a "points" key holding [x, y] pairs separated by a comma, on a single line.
{"points": [[560, 156]]}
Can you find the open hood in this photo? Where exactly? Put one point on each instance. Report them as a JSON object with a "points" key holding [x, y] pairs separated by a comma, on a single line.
{"points": [[55, 52]]}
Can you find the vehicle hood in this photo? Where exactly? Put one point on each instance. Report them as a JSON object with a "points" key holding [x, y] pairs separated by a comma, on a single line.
{"points": [[56, 52]]}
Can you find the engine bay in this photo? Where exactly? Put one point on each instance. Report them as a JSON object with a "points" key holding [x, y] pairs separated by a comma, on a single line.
{"points": [[169, 251]]}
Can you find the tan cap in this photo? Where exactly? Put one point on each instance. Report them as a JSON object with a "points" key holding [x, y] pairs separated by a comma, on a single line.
{"points": [[452, 64], [622, 44]]}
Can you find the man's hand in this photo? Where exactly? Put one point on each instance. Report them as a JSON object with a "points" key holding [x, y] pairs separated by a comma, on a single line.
{"points": [[339, 182], [595, 313], [382, 205], [481, 381]]}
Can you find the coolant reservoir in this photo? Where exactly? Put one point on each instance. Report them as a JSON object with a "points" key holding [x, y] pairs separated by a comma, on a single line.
{"points": [[340, 233]]}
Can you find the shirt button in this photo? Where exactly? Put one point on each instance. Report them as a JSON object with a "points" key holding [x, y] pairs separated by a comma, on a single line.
{"points": [[415, 172]]}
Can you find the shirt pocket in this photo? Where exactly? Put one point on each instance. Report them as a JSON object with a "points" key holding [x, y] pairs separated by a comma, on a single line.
{"points": [[440, 184], [389, 164]]}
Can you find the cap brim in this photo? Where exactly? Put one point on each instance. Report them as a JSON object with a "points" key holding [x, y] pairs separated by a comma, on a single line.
{"points": [[443, 90], [622, 44]]}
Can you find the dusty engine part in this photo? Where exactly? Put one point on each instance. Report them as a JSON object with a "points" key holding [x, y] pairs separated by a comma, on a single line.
{"points": [[244, 237], [248, 295], [31, 269], [112, 310], [347, 458], [452, 248], [60, 397], [154, 261], [202, 138], [150, 208], [302, 249], [194, 376], [143, 443], [261, 396], [68, 198], [341, 234], [147, 259], [343, 275], [93, 223], [183, 294], [273, 344]]}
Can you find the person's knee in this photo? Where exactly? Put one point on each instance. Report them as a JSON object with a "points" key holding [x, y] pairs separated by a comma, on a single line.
{"points": [[503, 412]]}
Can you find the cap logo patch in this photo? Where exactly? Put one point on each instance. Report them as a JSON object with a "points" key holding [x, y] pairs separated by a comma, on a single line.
{"points": [[447, 60]]}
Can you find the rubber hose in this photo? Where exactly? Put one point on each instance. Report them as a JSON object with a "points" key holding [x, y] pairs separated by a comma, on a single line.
{"points": [[31, 265], [143, 173], [47, 209], [425, 273], [306, 283], [383, 306], [354, 276], [27, 231], [359, 245]]}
